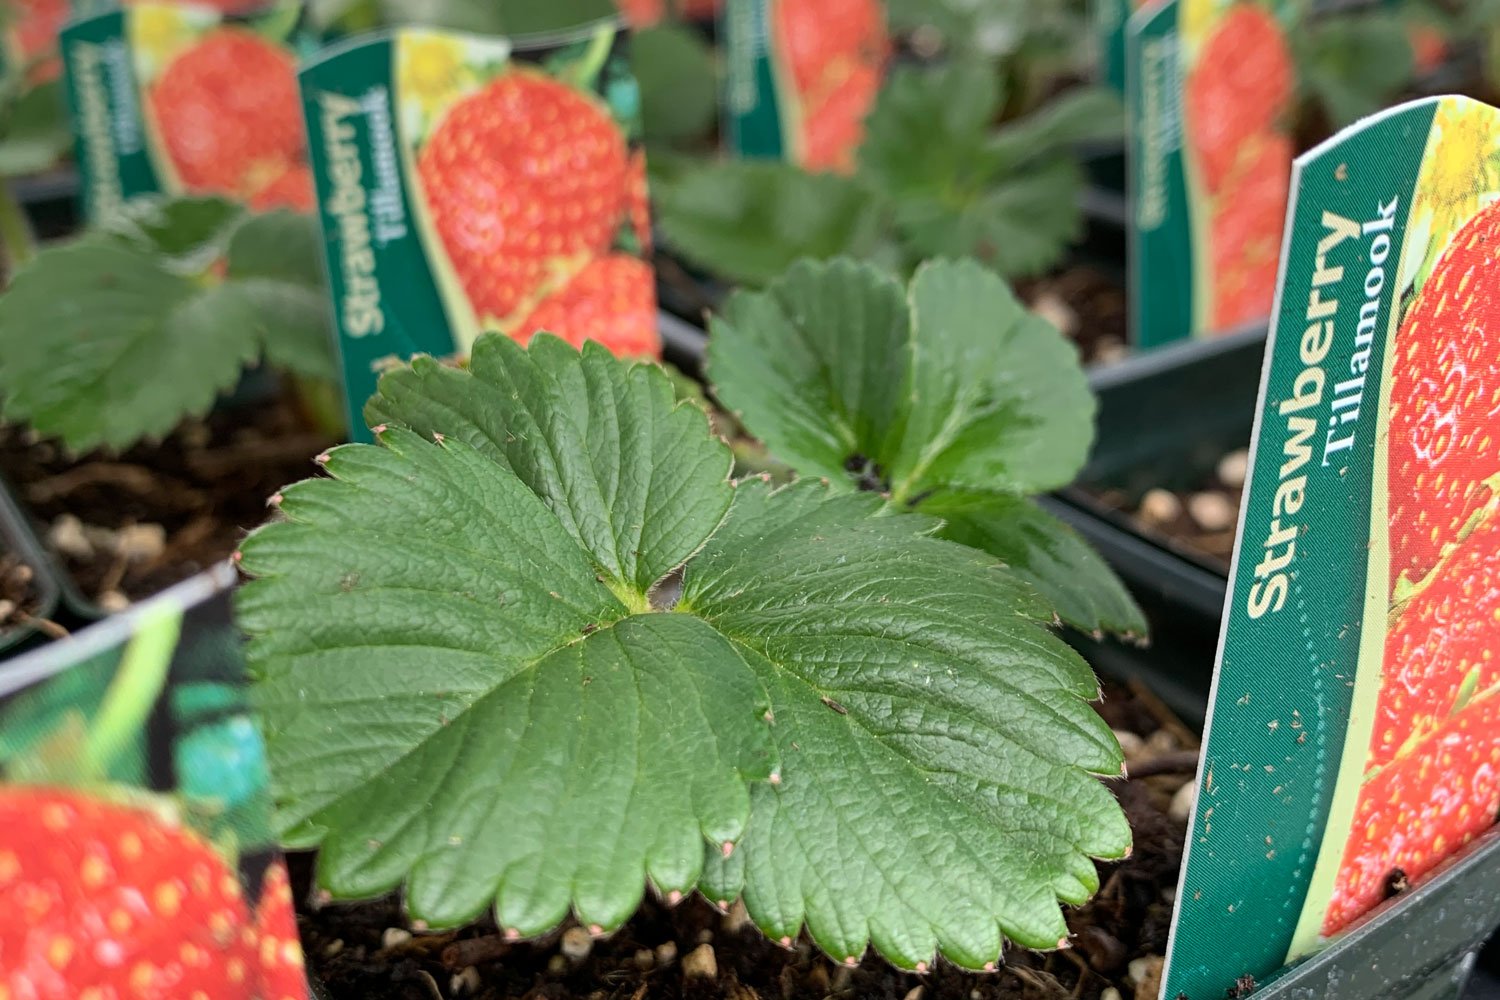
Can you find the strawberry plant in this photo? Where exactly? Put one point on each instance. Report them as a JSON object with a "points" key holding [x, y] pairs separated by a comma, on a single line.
{"points": [[536, 651], [1352, 64], [936, 176], [143, 321]]}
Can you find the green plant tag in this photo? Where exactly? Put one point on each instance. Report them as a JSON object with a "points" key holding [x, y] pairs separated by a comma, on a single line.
{"points": [[1110, 19], [471, 183], [1209, 90], [134, 812], [799, 82], [178, 99], [1354, 736]]}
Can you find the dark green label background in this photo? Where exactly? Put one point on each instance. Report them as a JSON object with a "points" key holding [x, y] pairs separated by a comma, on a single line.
{"points": [[135, 173], [1160, 250], [752, 109], [415, 320], [1283, 689]]}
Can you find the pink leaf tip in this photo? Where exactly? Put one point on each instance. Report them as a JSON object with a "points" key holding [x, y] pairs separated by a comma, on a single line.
{"points": [[727, 847]]}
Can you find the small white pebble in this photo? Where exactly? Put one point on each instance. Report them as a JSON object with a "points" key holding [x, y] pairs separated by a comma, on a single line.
{"points": [[1051, 307], [666, 953], [1132, 744], [576, 943], [1169, 894], [1212, 511], [1160, 742], [1232, 468], [1160, 507], [645, 959], [394, 937], [558, 965], [700, 963], [915, 993], [113, 602], [7, 608], [1181, 808], [1136, 970], [1109, 350], [141, 542], [333, 947], [465, 983], [1110, 993], [67, 536]]}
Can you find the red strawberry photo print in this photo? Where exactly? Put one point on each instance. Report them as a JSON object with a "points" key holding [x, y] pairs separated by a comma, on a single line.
{"points": [[831, 56], [221, 104], [530, 187]]}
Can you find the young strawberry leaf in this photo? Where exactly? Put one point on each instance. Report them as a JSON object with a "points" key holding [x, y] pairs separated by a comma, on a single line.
{"points": [[748, 220], [948, 384], [516, 720], [124, 333], [1353, 64]]}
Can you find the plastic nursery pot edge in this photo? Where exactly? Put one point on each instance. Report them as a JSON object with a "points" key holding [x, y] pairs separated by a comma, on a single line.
{"points": [[18, 537]]}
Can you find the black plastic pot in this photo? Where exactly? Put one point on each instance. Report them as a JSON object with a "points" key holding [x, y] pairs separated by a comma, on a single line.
{"points": [[16, 537], [50, 201]]}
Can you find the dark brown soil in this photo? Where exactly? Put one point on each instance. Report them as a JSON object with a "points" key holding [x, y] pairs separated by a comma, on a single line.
{"points": [[126, 526], [19, 597], [1087, 305], [364, 950]]}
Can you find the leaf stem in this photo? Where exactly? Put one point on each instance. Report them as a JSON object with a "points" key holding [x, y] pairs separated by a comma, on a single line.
{"points": [[137, 683]]}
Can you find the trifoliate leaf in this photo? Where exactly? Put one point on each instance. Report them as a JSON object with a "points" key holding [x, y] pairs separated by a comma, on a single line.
{"points": [[464, 688], [949, 386], [128, 331], [935, 740], [746, 221], [926, 133], [1041, 550], [1353, 64], [952, 383]]}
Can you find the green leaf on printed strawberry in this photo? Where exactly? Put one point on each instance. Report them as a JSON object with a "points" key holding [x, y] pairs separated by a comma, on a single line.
{"points": [[747, 221], [949, 393], [501, 577], [124, 333]]}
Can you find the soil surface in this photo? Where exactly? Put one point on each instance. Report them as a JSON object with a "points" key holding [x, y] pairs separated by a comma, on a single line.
{"points": [[126, 526], [695, 952], [19, 596], [1202, 520]]}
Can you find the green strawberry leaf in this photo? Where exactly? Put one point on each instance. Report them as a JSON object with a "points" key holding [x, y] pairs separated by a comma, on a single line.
{"points": [[935, 741], [1044, 552], [1009, 196], [952, 382], [35, 133], [124, 333], [519, 723], [746, 221], [949, 385], [679, 84], [1352, 65]]}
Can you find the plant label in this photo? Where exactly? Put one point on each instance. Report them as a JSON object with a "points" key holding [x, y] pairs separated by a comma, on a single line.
{"points": [[1110, 20], [179, 99], [469, 183], [137, 855], [1354, 735], [802, 76], [1209, 88]]}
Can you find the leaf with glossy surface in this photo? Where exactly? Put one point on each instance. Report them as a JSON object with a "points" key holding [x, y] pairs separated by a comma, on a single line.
{"points": [[1044, 552], [935, 740]]}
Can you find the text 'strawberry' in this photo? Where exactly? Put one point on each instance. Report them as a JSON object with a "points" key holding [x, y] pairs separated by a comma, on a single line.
{"points": [[110, 900], [1419, 808], [1445, 400], [612, 300], [229, 113], [1443, 644], [835, 51], [519, 175], [1240, 85], [278, 955], [1246, 230]]}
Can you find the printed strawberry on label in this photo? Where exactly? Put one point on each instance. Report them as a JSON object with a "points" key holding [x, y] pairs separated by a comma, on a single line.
{"points": [[1246, 232], [34, 36], [229, 115], [524, 179], [1445, 401], [1415, 810], [612, 300], [112, 901], [278, 955], [835, 50]]}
